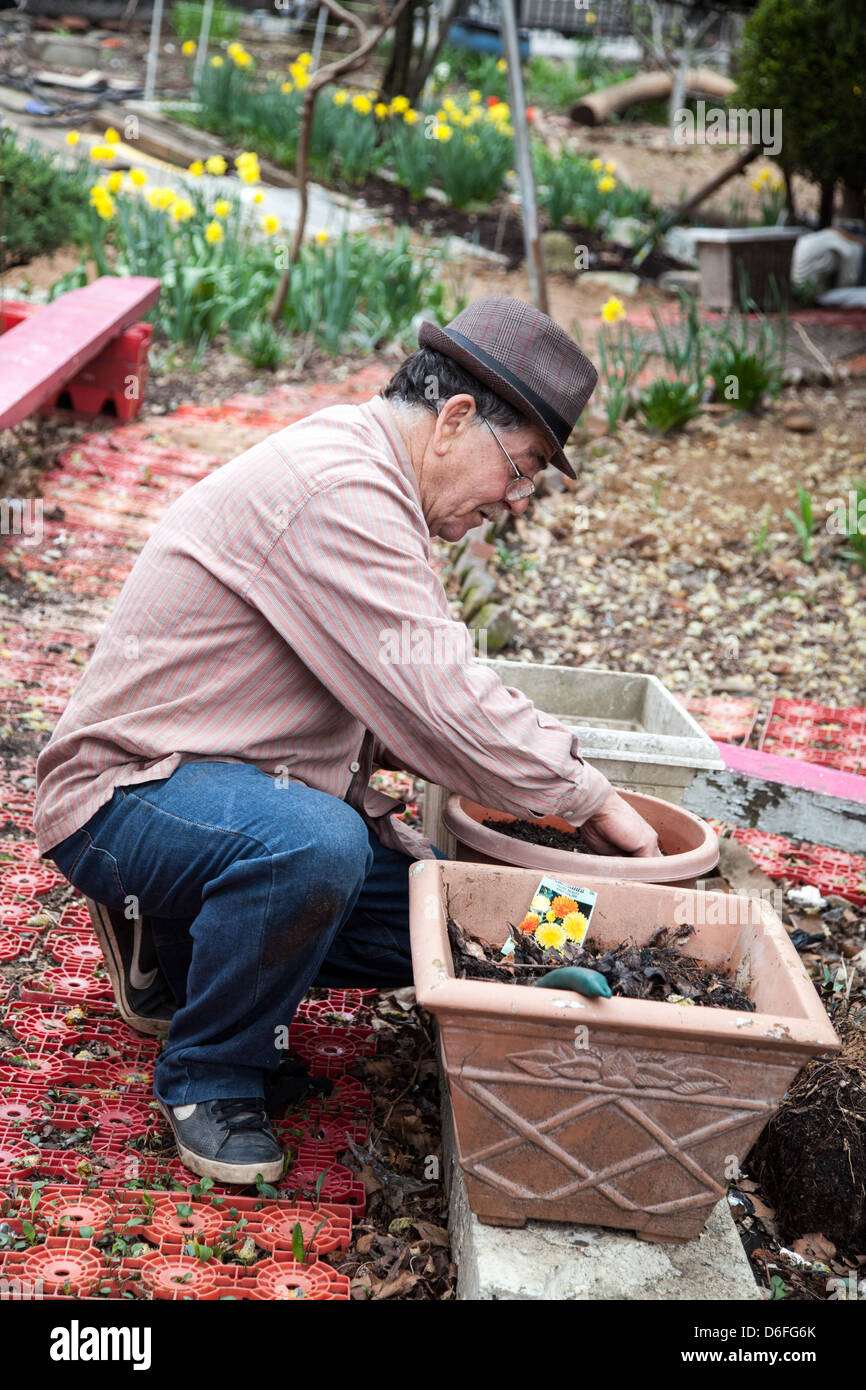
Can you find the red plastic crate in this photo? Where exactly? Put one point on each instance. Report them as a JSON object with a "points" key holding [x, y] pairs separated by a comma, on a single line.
{"points": [[828, 870], [330, 1051]]}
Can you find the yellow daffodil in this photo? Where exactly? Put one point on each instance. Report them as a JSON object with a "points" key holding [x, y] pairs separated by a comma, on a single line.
{"points": [[340, 98], [287, 87], [606, 184], [196, 168], [305, 58], [137, 177], [362, 105], [161, 198], [475, 97], [610, 167], [182, 210], [442, 114], [574, 924], [101, 200], [411, 117], [188, 48], [321, 237], [755, 185], [215, 164], [222, 207], [502, 66], [596, 164], [499, 112], [101, 152], [258, 198], [449, 103], [612, 309], [217, 61], [115, 181], [243, 60], [270, 225], [551, 934], [111, 136], [214, 232], [72, 137], [442, 132], [380, 110], [399, 105]]}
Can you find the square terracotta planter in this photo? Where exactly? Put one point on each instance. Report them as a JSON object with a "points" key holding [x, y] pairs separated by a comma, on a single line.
{"points": [[610, 1112]]}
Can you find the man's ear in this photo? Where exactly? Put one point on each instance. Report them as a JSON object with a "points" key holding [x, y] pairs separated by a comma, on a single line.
{"points": [[455, 417]]}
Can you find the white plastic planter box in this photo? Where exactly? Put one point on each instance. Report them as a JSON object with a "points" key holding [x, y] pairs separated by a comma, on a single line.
{"points": [[629, 726]]}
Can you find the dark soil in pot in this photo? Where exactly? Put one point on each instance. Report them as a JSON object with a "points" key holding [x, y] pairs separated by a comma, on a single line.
{"points": [[658, 971], [547, 835]]}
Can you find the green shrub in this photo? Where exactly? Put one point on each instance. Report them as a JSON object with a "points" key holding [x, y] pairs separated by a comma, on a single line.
{"points": [[668, 405], [808, 59], [744, 378], [41, 205], [225, 23]]}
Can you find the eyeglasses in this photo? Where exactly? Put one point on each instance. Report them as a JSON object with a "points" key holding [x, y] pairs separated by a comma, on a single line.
{"points": [[520, 486]]}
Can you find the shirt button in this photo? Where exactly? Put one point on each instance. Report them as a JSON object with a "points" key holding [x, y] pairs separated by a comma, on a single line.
{"points": [[354, 767]]}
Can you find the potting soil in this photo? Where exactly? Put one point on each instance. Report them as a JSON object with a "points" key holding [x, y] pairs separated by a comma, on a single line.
{"points": [[547, 835], [658, 971]]}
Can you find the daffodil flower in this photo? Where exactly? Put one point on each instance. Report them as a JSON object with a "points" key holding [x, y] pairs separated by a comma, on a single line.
{"points": [[215, 164], [137, 177], [222, 207], [111, 136], [188, 47], [72, 137], [270, 224], [196, 168], [214, 232], [606, 184], [612, 309]]}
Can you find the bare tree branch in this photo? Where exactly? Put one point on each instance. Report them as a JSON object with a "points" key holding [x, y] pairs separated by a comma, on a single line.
{"points": [[319, 80]]}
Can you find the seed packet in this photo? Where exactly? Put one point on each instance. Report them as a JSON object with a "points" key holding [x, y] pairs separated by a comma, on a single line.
{"points": [[559, 912]]}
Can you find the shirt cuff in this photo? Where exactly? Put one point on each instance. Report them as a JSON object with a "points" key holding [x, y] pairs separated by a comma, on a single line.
{"points": [[592, 791]]}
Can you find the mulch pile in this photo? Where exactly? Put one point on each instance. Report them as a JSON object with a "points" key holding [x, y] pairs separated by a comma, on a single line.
{"points": [[657, 971]]}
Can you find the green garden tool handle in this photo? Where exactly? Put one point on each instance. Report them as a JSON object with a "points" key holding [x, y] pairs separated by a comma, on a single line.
{"points": [[588, 982]]}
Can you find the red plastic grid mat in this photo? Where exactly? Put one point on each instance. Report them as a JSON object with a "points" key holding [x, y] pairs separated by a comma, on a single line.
{"points": [[725, 720], [831, 871], [823, 734], [175, 1246]]}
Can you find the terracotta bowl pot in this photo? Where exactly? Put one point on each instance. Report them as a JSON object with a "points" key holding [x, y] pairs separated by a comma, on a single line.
{"points": [[691, 847]]}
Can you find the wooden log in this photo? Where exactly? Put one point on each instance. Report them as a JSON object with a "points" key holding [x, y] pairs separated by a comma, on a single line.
{"points": [[598, 107]]}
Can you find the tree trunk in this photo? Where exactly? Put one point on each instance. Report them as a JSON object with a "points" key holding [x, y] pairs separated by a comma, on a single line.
{"points": [[397, 74], [853, 203], [825, 214]]}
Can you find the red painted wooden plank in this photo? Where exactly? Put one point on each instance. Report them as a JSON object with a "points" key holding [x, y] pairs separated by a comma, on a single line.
{"points": [[40, 355], [793, 773]]}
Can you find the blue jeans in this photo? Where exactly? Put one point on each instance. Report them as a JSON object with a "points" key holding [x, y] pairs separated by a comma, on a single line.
{"points": [[255, 891]]}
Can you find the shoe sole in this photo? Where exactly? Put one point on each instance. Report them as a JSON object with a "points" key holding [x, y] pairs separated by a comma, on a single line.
{"points": [[104, 929], [245, 1173]]}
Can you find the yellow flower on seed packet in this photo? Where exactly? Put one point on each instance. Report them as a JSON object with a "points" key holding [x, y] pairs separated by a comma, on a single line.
{"points": [[559, 912]]}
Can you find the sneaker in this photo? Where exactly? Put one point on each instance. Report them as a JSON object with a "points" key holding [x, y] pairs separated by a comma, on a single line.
{"points": [[144, 999], [230, 1140], [290, 1083]]}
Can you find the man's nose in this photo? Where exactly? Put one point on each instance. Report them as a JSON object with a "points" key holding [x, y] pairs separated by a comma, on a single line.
{"points": [[520, 506]]}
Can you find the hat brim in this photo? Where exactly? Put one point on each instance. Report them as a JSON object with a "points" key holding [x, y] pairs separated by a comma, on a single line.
{"points": [[430, 335]]}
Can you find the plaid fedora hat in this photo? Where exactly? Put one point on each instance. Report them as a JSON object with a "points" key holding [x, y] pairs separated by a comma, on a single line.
{"points": [[524, 357]]}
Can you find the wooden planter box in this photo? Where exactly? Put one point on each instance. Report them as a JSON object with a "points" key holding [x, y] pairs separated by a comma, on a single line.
{"points": [[763, 254], [611, 1112]]}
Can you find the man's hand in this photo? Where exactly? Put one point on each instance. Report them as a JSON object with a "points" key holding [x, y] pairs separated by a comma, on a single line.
{"points": [[616, 828]]}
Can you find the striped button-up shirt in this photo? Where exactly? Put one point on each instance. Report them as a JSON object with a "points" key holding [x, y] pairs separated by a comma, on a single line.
{"points": [[284, 612]]}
